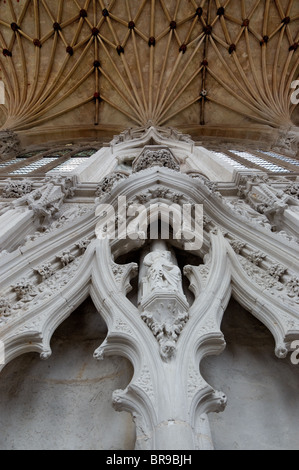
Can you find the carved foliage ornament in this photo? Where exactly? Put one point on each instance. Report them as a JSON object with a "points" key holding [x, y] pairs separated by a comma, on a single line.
{"points": [[17, 189], [160, 157], [5, 308], [106, 185], [293, 190]]}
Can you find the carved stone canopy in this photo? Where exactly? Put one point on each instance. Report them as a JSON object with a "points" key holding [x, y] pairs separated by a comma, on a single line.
{"points": [[155, 156]]}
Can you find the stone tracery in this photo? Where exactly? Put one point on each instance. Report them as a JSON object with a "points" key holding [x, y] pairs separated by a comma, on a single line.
{"points": [[241, 258]]}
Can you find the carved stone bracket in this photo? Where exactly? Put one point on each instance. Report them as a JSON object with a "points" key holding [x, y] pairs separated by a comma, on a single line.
{"points": [[166, 315]]}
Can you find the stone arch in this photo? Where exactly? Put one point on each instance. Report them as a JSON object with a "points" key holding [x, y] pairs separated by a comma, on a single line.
{"points": [[65, 403], [253, 380]]}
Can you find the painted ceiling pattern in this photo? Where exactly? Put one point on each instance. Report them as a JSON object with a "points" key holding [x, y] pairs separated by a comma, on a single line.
{"points": [[170, 62]]}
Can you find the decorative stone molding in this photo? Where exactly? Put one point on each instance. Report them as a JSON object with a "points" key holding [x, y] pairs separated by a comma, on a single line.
{"points": [[106, 185], [145, 382], [276, 271], [66, 258], [24, 290], [164, 307], [256, 257], [207, 221], [237, 246], [293, 287], [68, 213], [270, 281], [140, 137], [162, 335], [293, 190], [151, 157], [159, 193], [83, 245], [198, 276], [45, 271], [5, 308], [140, 397], [45, 203], [17, 189], [123, 274], [166, 317], [245, 211], [211, 185]]}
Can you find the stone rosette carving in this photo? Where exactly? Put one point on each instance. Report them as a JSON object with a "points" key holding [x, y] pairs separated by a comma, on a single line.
{"points": [[145, 383], [66, 258], [237, 246], [5, 308], [25, 290], [293, 287], [256, 257], [45, 271], [276, 271], [83, 245]]}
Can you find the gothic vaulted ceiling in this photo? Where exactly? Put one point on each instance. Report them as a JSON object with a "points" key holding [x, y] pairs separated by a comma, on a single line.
{"points": [[78, 67]]}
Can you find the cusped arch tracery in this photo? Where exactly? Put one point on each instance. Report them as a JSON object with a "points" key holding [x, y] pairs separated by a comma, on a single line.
{"points": [[236, 253]]}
